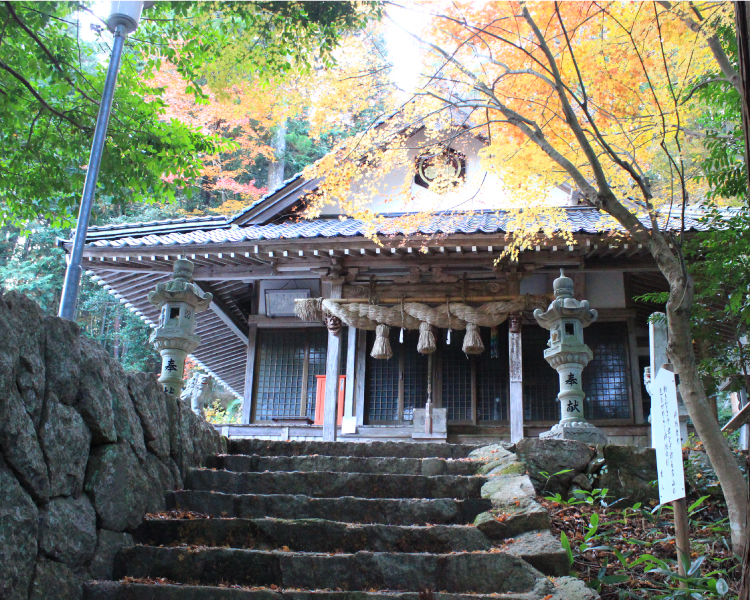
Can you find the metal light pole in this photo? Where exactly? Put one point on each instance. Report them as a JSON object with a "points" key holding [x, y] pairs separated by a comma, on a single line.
{"points": [[123, 20]]}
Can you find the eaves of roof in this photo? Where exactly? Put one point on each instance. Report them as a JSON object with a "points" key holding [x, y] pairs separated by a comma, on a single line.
{"points": [[280, 191], [149, 227], [582, 220]]}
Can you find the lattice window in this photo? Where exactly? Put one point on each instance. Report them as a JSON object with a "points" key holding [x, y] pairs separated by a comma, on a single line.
{"points": [[415, 375], [284, 358], [318, 344], [384, 376], [540, 381], [382, 381], [492, 378], [605, 379], [456, 379], [282, 362]]}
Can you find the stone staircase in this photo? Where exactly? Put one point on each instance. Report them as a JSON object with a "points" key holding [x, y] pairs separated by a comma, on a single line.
{"points": [[336, 521]]}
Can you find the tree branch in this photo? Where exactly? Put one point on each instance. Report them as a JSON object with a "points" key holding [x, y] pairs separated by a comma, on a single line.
{"points": [[713, 42], [703, 84], [53, 60], [39, 99], [604, 196]]}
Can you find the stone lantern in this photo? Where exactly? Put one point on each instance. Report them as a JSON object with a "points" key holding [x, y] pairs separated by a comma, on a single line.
{"points": [[175, 338], [568, 355]]}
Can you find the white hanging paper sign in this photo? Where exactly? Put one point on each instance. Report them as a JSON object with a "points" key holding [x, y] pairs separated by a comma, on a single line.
{"points": [[665, 433]]}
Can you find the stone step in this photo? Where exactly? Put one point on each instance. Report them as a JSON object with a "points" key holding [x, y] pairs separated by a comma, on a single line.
{"points": [[344, 464], [364, 449], [335, 485], [310, 535], [474, 572], [115, 590], [444, 511]]}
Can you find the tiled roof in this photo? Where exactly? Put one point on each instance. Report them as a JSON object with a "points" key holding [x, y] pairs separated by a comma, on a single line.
{"points": [[183, 223], [583, 220], [270, 193]]}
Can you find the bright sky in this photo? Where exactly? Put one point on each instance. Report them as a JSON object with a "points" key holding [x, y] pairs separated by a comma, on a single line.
{"points": [[101, 10], [403, 49]]}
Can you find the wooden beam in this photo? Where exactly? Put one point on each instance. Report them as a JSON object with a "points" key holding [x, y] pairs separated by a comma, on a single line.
{"points": [[738, 420], [323, 245], [351, 360], [361, 365], [222, 311], [265, 322], [247, 402], [635, 375], [333, 356]]}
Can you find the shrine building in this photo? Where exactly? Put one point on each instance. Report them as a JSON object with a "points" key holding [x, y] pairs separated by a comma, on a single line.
{"points": [[263, 262]]}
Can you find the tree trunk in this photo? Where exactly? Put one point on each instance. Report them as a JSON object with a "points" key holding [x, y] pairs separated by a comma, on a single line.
{"points": [[276, 168], [681, 353], [116, 342]]}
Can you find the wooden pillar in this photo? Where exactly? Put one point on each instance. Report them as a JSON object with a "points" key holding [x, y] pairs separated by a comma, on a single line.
{"points": [[635, 374], [744, 442], [516, 378], [361, 365], [349, 423], [333, 357], [247, 400], [351, 359]]}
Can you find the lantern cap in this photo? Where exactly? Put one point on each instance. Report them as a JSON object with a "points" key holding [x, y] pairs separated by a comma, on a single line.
{"points": [[183, 270], [563, 286]]}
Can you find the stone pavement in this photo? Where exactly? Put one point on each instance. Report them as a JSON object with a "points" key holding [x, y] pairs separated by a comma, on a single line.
{"points": [[339, 521]]}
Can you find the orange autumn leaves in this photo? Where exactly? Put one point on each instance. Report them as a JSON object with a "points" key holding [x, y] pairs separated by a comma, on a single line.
{"points": [[242, 115], [626, 70], [245, 112]]}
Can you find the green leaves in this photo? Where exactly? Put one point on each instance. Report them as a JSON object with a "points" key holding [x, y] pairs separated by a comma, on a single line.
{"points": [[594, 525], [565, 542], [51, 81]]}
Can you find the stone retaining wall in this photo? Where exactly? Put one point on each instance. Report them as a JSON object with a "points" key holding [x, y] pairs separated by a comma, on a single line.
{"points": [[86, 450]]}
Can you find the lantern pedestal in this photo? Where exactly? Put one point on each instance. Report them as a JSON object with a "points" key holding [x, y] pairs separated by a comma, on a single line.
{"points": [[566, 318], [175, 338]]}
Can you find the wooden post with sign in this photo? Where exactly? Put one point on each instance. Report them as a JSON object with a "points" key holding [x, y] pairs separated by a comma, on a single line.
{"points": [[665, 423]]}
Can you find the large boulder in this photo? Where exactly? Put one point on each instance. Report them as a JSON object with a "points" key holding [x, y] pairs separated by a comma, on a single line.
{"points": [[127, 423], [62, 355], [20, 446], [183, 444], [159, 480], [65, 441], [552, 456], [150, 403], [30, 336], [109, 543], [18, 441], [514, 508], [116, 486], [570, 588], [94, 399], [67, 530], [542, 550], [18, 537], [55, 580], [629, 473], [192, 439], [492, 459]]}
